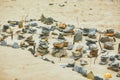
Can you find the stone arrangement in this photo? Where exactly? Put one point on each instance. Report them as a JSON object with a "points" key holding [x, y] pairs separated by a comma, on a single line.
{"points": [[35, 38]]}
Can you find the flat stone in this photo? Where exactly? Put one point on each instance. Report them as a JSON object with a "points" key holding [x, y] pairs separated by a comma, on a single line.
{"points": [[78, 36], [98, 78], [69, 29], [112, 58], [109, 45], [70, 46], [3, 43], [93, 46], [15, 45], [33, 24], [105, 39]]}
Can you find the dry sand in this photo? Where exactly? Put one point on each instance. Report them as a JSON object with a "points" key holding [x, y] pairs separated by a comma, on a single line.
{"points": [[20, 64]]}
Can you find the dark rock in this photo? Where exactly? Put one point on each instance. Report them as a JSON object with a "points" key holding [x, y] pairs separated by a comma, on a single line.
{"points": [[15, 45], [61, 37], [85, 31], [70, 46], [114, 66], [110, 31], [104, 60], [13, 23], [117, 35], [20, 37], [83, 62], [105, 39], [118, 75], [31, 50], [5, 27], [117, 56], [43, 18], [3, 43], [112, 58], [49, 21], [45, 31], [61, 5], [98, 78], [32, 19], [51, 4], [53, 28], [24, 30], [119, 48], [59, 29], [78, 36], [70, 65]]}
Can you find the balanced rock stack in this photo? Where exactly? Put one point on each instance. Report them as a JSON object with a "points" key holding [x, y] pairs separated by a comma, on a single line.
{"points": [[30, 40], [78, 52], [45, 33], [43, 48], [104, 60], [58, 50]]}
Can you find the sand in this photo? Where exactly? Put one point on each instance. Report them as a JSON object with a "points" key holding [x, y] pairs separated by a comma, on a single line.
{"points": [[17, 64]]}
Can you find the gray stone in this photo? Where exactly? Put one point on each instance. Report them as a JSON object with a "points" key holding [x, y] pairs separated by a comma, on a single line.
{"points": [[49, 21], [78, 68], [78, 36], [105, 39], [112, 58], [15, 45], [70, 46], [69, 28], [53, 28], [109, 45], [117, 35], [114, 66], [83, 62], [31, 31], [92, 33], [85, 31], [3, 43], [45, 31], [91, 41], [61, 37], [33, 24]]}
